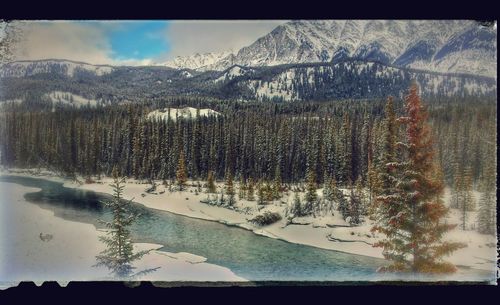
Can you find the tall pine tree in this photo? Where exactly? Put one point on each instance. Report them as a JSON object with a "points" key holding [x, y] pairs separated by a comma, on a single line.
{"points": [[412, 214], [181, 175]]}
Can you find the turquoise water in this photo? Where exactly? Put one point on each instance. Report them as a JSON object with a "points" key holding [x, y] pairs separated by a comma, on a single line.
{"points": [[248, 255]]}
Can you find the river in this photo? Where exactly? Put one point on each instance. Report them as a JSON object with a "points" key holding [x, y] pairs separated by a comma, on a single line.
{"points": [[253, 257]]}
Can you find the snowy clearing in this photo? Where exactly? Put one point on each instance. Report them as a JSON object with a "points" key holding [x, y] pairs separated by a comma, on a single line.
{"points": [[185, 113]]}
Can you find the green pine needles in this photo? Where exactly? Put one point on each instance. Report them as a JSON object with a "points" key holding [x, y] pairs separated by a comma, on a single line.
{"points": [[119, 255]]}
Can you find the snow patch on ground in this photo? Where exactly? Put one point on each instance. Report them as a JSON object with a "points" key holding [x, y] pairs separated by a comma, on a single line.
{"points": [[186, 113], [68, 98]]}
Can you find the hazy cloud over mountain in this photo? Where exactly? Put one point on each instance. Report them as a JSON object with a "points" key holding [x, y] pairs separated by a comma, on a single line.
{"points": [[101, 42]]}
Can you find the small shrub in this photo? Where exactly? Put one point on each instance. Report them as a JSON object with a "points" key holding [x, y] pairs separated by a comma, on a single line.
{"points": [[266, 219]]}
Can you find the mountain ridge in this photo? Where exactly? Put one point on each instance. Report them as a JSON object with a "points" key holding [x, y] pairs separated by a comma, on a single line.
{"points": [[347, 78]]}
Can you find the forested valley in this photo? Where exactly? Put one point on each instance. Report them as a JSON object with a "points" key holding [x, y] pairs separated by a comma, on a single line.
{"points": [[340, 139]]}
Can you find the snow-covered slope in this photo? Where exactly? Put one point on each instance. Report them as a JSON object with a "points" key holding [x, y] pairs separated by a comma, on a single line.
{"points": [[55, 66], [233, 72], [70, 99], [186, 113], [201, 62], [360, 79]]}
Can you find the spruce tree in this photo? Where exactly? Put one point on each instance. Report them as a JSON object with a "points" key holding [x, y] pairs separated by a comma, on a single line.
{"points": [[296, 209], [311, 197], [261, 194], [354, 207], [466, 201], [328, 189], [458, 186], [342, 203], [251, 190], [374, 186], [230, 190], [118, 255], [276, 189], [242, 190], [412, 215], [181, 175], [486, 216], [360, 193]]}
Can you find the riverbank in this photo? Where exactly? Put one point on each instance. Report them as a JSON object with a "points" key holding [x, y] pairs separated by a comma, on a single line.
{"points": [[327, 232], [69, 253]]}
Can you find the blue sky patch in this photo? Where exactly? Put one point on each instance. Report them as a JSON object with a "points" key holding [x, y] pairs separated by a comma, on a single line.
{"points": [[139, 39]]}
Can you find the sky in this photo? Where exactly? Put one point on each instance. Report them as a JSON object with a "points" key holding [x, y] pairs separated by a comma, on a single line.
{"points": [[135, 42]]}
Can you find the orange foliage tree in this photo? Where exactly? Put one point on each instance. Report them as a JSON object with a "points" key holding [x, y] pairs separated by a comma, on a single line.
{"points": [[410, 212]]}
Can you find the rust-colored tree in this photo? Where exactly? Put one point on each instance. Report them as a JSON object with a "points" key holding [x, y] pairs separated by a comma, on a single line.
{"points": [[410, 212], [211, 188]]}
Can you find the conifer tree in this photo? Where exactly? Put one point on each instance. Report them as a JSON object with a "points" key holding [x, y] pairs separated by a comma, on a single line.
{"points": [[411, 214], [222, 200], [211, 183], [328, 189], [296, 209], [311, 197], [342, 203], [486, 217], [251, 190], [261, 194], [354, 206], [230, 189], [458, 186], [119, 255], [466, 201], [242, 190], [276, 189], [374, 186], [359, 191], [181, 175]]}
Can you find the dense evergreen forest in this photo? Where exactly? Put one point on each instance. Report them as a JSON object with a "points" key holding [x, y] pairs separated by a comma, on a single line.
{"points": [[339, 139]]}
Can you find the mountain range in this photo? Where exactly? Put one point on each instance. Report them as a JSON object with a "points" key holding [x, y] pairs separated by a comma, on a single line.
{"points": [[461, 46], [347, 79], [297, 61]]}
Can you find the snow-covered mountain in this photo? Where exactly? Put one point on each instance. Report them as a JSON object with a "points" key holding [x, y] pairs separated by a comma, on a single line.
{"points": [[450, 46], [51, 66], [440, 46], [201, 62], [346, 79]]}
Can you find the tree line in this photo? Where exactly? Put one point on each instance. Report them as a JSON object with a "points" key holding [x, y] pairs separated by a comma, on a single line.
{"points": [[343, 140]]}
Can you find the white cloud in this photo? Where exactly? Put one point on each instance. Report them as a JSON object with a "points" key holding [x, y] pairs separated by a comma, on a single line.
{"points": [[64, 40], [202, 36], [86, 42]]}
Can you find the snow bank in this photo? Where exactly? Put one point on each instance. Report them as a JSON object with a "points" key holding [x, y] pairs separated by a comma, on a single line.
{"points": [[70, 254]]}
